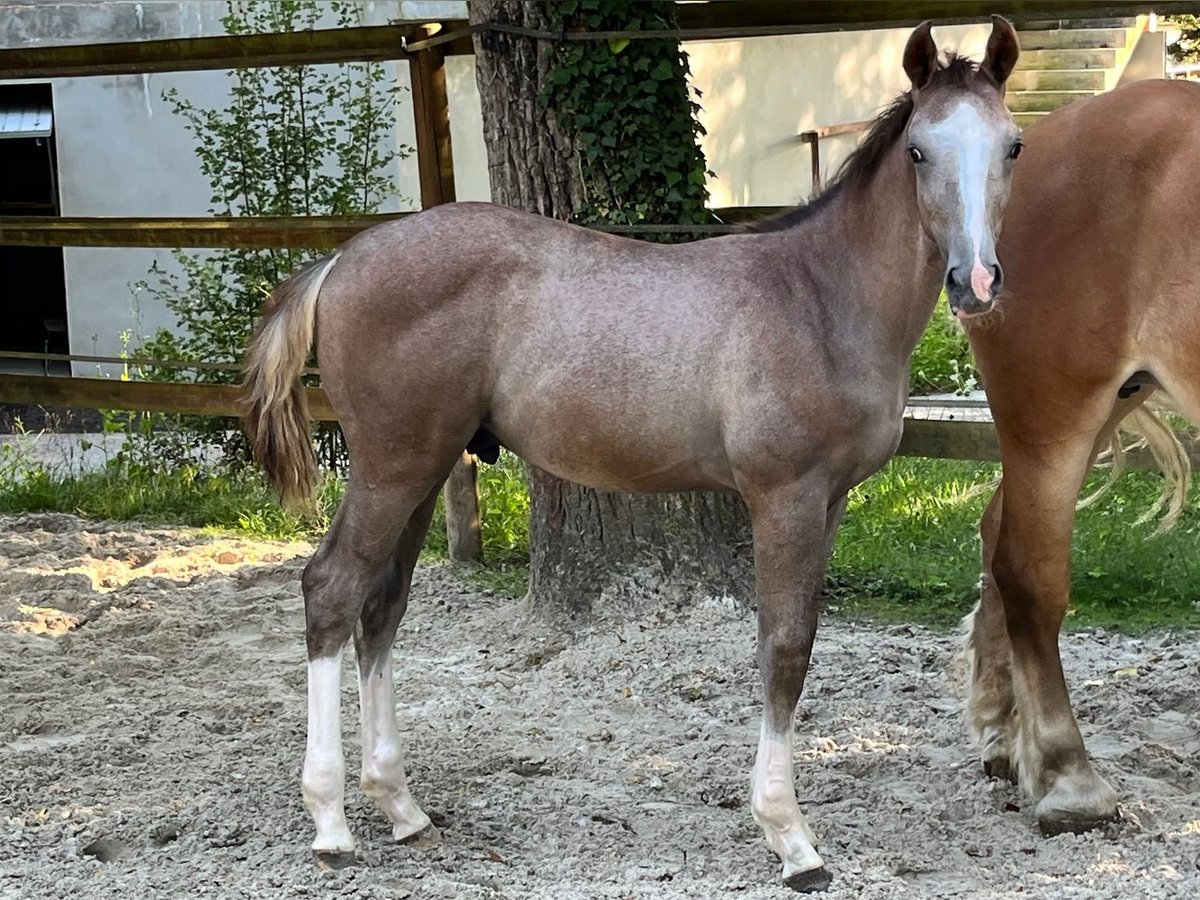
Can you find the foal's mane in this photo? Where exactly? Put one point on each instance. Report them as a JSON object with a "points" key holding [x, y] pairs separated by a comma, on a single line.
{"points": [[858, 168]]}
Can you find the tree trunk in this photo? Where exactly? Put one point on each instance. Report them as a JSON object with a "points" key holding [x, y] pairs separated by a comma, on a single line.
{"points": [[584, 541]]}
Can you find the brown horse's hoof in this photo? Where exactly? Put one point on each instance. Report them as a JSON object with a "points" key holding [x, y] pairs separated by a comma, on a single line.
{"points": [[334, 860], [811, 881], [1052, 826], [1000, 768], [425, 839]]}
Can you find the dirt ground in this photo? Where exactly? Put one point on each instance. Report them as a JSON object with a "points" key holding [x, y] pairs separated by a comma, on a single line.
{"points": [[153, 728]]}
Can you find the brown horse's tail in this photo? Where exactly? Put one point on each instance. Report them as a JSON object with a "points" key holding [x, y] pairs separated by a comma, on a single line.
{"points": [[1156, 435], [276, 417]]}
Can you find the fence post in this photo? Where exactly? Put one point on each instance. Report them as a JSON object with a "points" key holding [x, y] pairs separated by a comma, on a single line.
{"points": [[435, 165]]}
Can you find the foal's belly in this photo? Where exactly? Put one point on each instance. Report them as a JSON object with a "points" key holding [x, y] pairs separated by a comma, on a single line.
{"points": [[653, 449]]}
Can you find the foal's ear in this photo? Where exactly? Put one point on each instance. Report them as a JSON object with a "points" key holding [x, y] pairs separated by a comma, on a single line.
{"points": [[920, 56], [1002, 51]]}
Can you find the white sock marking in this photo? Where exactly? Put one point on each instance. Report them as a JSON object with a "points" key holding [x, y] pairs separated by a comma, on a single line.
{"points": [[383, 778], [324, 771], [773, 803]]}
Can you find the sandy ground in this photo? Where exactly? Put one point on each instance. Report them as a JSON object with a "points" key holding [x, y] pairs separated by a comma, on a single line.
{"points": [[151, 740]]}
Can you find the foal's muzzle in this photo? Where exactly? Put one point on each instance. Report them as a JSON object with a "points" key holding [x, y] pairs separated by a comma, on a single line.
{"points": [[973, 291]]}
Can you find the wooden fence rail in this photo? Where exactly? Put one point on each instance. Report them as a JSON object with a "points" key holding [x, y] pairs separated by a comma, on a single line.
{"points": [[934, 438], [697, 21]]}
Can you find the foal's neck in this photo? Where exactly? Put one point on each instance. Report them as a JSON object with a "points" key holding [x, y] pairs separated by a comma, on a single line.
{"points": [[890, 270]]}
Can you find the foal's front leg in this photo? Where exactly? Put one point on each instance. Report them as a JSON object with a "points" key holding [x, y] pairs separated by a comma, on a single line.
{"points": [[793, 533]]}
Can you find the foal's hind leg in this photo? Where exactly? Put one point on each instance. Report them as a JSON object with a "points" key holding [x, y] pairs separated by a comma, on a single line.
{"points": [[383, 778], [337, 581], [991, 705], [793, 532]]}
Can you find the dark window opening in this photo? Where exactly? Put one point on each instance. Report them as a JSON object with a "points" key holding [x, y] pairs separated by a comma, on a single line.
{"points": [[33, 297]]}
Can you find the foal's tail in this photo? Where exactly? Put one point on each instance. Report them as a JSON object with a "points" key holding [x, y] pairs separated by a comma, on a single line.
{"points": [[276, 409]]}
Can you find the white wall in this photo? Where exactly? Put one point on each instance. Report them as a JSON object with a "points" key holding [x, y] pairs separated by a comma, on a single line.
{"points": [[760, 93], [121, 152]]}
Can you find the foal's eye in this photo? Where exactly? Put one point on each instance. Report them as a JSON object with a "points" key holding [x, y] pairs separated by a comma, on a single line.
{"points": [[916, 155], [1016, 150]]}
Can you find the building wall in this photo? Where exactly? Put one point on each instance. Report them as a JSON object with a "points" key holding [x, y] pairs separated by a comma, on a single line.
{"points": [[122, 152], [759, 94]]}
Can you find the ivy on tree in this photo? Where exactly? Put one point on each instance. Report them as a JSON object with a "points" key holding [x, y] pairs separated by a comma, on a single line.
{"points": [[628, 105]]}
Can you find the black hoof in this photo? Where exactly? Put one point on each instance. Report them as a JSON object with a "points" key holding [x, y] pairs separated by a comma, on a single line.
{"points": [[1054, 827], [810, 881], [428, 837], [333, 860]]}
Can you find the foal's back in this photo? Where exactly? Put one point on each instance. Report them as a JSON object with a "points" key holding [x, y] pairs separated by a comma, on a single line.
{"points": [[613, 362]]}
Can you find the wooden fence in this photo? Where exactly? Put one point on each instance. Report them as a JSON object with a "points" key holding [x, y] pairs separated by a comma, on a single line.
{"points": [[424, 47]]}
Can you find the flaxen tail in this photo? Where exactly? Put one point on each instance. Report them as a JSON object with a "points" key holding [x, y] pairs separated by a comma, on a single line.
{"points": [[276, 417]]}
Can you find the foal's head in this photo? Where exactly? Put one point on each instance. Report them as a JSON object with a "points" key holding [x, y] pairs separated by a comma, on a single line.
{"points": [[963, 143]]}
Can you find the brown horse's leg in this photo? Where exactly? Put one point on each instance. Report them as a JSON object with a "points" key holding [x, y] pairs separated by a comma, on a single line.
{"points": [[990, 706], [337, 581], [383, 778], [1032, 570], [793, 530]]}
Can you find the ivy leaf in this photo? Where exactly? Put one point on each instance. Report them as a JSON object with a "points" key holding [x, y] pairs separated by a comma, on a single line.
{"points": [[616, 45]]}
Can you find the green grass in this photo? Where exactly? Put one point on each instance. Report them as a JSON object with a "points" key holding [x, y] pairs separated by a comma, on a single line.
{"points": [[908, 550], [942, 362]]}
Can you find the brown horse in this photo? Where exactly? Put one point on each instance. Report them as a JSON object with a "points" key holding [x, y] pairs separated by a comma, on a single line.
{"points": [[773, 364], [1099, 314]]}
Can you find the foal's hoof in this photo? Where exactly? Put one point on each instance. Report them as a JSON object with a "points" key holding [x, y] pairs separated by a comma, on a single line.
{"points": [[333, 860], [425, 839], [809, 881], [1054, 825]]}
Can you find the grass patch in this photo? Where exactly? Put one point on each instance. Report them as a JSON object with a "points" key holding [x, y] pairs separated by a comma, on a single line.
{"points": [[942, 362], [908, 551]]}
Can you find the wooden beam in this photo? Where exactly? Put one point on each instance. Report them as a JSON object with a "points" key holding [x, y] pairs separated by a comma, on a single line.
{"points": [[151, 396], [334, 45], [249, 231], [273, 231], [431, 114], [377, 43], [728, 17], [938, 439], [435, 165], [954, 439]]}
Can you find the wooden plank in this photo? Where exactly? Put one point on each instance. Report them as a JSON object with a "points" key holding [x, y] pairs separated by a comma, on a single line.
{"points": [[132, 361], [249, 231], [939, 439], [955, 439], [812, 135], [368, 43], [728, 16], [151, 396], [435, 166], [317, 232], [730, 19], [698, 21], [431, 115]]}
